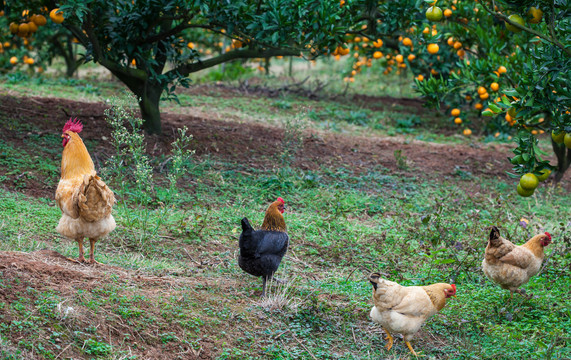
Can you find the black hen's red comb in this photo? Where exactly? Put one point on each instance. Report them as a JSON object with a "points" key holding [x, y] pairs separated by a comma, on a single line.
{"points": [[74, 125]]}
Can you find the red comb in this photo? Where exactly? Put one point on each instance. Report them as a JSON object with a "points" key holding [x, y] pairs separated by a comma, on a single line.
{"points": [[73, 125], [548, 235], [281, 200], [453, 287]]}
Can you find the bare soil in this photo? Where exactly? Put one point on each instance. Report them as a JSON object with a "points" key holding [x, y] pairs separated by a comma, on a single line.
{"points": [[251, 145]]}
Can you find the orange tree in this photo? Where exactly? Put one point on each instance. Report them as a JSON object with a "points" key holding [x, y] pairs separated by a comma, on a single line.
{"points": [[145, 44], [31, 39], [515, 69]]}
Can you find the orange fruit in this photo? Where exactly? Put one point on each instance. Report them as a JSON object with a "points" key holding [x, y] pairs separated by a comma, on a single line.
{"points": [[457, 45], [378, 43], [529, 181], [32, 27], [534, 15], [420, 77], [455, 112], [468, 97], [450, 41], [484, 96], [14, 28], [411, 57], [432, 48], [426, 30], [467, 132], [399, 58], [567, 140], [502, 69], [558, 137], [23, 30], [458, 121], [544, 174], [494, 86], [40, 20], [57, 16], [13, 60], [479, 106], [377, 55], [447, 12], [523, 192], [515, 18], [407, 42], [434, 13], [482, 90]]}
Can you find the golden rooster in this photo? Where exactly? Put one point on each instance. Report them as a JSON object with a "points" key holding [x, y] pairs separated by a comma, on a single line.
{"points": [[85, 201], [510, 265], [403, 309], [261, 251]]}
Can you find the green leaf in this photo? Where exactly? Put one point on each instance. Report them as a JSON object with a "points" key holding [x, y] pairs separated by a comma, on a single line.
{"points": [[488, 113]]}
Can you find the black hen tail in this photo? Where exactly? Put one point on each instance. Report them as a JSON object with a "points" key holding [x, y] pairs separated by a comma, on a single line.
{"points": [[246, 225]]}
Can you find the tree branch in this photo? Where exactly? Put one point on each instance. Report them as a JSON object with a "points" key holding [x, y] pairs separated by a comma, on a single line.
{"points": [[186, 69], [174, 31]]}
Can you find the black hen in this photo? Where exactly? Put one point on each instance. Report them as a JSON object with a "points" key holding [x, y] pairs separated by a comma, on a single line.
{"points": [[261, 251]]}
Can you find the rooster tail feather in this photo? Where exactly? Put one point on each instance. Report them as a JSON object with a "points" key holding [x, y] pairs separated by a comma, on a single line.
{"points": [[94, 198], [495, 237]]}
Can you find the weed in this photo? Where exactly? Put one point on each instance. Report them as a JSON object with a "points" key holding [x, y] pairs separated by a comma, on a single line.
{"points": [[401, 160]]}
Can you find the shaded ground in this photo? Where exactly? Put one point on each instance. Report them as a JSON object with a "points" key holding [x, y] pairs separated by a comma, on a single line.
{"points": [[246, 144]]}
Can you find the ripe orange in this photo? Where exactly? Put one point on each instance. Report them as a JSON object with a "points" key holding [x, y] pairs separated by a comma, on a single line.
{"points": [[502, 69], [484, 96], [534, 15], [515, 19], [13, 60], [23, 30], [432, 48], [399, 58], [407, 42], [378, 43], [377, 55], [447, 12], [29, 61], [458, 121], [455, 112], [494, 86], [14, 28], [482, 90], [467, 132], [40, 20], [529, 181], [461, 53], [450, 41], [32, 27], [468, 97], [57, 16], [411, 57], [426, 30], [479, 106], [434, 13], [457, 45], [420, 77]]}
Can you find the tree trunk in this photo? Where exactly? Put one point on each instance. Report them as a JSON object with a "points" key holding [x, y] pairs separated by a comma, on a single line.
{"points": [[149, 104], [563, 159]]}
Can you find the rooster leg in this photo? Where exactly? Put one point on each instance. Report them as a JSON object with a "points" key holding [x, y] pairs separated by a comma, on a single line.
{"points": [[91, 250], [390, 339], [264, 279], [410, 348]]}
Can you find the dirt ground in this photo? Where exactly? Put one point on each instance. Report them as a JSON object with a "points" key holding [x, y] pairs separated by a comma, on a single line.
{"points": [[255, 145]]}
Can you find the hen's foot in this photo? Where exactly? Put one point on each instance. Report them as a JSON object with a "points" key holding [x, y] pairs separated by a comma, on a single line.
{"points": [[93, 262], [80, 260], [410, 348], [390, 340], [279, 281], [523, 293]]}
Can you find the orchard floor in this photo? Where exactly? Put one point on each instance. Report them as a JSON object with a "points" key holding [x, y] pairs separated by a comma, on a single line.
{"points": [[191, 302]]}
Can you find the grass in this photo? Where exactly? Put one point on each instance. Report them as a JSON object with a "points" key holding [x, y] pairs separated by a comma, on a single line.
{"points": [[180, 290]]}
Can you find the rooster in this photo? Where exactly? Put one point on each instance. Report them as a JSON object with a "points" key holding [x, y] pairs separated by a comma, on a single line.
{"points": [[84, 199], [510, 265], [261, 251], [403, 309]]}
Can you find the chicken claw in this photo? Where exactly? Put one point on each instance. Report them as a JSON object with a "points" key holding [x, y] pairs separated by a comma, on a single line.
{"points": [[410, 348], [390, 340]]}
